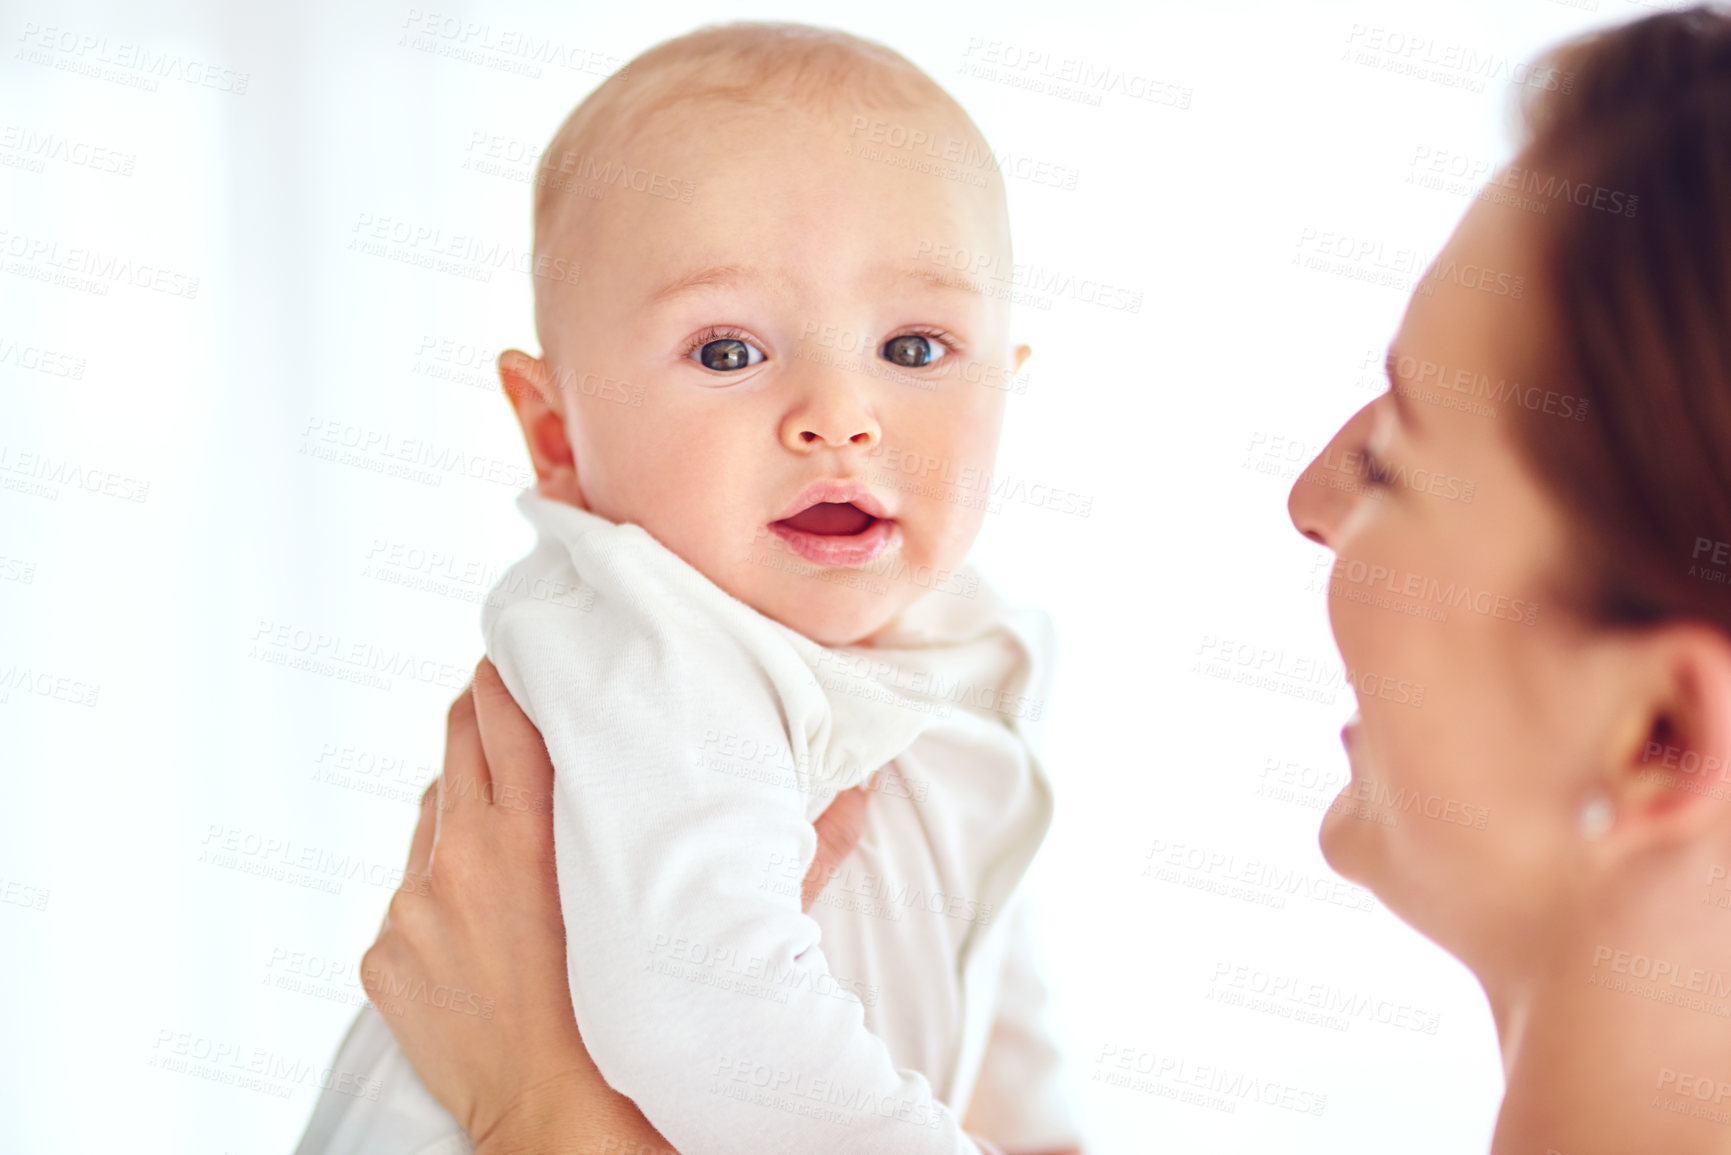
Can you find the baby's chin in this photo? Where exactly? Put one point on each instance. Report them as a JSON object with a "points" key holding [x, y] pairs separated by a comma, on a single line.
{"points": [[839, 616], [834, 607]]}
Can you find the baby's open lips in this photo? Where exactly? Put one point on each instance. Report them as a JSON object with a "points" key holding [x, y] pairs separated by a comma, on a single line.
{"points": [[830, 519], [837, 522], [836, 533]]}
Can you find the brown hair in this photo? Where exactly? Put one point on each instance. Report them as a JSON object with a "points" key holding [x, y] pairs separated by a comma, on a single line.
{"points": [[1640, 302]]}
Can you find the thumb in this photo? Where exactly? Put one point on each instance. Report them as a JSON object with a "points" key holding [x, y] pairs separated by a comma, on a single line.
{"points": [[838, 832]]}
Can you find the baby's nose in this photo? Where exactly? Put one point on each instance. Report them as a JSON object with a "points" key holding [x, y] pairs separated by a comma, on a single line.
{"points": [[831, 418]]}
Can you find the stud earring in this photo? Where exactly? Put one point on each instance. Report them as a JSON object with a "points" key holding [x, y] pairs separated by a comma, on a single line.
{"points": [[1596, 817]]}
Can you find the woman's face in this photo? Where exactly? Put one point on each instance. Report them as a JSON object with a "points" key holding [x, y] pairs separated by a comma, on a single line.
{"points": [[1477, 726]]}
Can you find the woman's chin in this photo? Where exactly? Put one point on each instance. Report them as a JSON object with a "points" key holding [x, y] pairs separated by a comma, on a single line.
{"points": [[1349, 846]]}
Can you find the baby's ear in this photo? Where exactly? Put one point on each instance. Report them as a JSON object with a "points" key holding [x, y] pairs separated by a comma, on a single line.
{"points": [[540, 410], [1023, 352]]}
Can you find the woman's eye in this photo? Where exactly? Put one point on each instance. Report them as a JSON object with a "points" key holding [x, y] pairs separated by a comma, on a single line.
{"points": [[1376, 471], [727, 354], [912, 351]]}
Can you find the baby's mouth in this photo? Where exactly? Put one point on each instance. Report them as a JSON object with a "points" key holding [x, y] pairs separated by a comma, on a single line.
{"points": [[835, 533], [830, 519]]}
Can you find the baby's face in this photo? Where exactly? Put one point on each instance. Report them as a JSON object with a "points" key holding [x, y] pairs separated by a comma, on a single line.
{"points": [[818, 415]]}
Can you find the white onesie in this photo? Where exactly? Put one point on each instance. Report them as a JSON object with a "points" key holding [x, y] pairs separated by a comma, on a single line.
{"points": [[694, 741]]}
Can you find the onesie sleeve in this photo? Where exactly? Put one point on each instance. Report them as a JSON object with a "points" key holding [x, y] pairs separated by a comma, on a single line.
{"points": [[701, 987], [1021, 1101]]}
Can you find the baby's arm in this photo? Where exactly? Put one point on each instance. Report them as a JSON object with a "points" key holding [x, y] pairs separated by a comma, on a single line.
{"points": [[1021, 1101], [700, 986]]}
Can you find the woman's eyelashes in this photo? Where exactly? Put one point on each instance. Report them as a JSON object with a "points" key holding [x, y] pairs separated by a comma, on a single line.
{"points": [[727, 350], [1376, 470], [1377, 474]]}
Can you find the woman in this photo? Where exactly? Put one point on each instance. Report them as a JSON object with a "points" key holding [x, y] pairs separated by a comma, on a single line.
{"points": [[1578, 696]]}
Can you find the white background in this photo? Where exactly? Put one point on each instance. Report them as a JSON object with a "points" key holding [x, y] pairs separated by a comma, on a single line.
{"points": [[168, 730]]}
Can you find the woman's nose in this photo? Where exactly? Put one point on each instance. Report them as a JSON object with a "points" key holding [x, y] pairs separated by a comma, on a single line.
{"points": [[1325, 492]]}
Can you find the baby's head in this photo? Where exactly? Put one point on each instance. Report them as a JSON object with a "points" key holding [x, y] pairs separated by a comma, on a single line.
{"points": [[749, 348]]}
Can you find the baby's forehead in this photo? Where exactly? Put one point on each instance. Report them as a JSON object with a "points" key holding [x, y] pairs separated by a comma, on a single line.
{"points": [[696, 126], [714, 167], [690, 164]]}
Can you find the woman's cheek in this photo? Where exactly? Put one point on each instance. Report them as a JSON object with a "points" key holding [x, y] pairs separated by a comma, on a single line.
{"points": [[1357, 634]]}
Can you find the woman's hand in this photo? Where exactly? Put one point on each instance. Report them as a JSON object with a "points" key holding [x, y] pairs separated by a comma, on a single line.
{"points": [[469, 967]]}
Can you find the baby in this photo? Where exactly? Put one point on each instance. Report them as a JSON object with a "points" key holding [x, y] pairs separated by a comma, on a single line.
{"points": [[755, 397]]}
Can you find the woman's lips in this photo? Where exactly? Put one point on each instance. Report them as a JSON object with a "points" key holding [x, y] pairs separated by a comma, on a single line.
{"points": [[1349, 738], [835, 533]]}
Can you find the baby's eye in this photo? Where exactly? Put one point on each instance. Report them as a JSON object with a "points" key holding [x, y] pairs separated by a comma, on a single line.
{"points": [[727, 354], [912, 351]]}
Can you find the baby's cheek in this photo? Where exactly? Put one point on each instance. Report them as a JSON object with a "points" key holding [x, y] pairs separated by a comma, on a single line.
{"points": [[952, 528]]}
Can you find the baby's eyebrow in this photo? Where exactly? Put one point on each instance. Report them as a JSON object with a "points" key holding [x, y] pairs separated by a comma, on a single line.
{"points": [[954, 280], [731, 276], [709, 277], [892, 272]]}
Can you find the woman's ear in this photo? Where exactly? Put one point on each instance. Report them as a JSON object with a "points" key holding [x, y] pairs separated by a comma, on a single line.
{"points": [[540, 409], [1671, 776]]}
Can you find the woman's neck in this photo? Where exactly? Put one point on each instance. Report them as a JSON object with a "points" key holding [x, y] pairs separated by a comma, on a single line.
{"points": [[1620, 1040]]}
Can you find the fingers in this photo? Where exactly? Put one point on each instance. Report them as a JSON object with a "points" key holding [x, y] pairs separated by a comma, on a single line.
{"points": [[838, 832], [840, 827], [421, 846], [515, 753], [464, 780]]}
